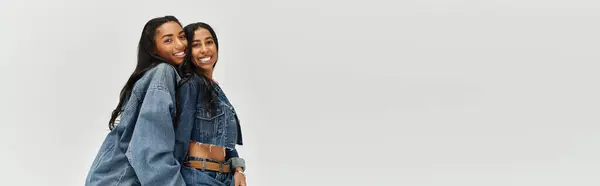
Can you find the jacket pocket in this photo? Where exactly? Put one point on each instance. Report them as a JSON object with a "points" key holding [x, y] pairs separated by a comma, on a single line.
{"points": [[209, 127]]}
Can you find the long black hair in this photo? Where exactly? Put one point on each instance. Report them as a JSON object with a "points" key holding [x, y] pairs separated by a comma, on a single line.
{"points": [[146, 60], [207, 86]]}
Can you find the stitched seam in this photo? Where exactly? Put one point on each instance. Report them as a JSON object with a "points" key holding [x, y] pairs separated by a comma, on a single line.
{"points": [[121, 177], [102, 156]]}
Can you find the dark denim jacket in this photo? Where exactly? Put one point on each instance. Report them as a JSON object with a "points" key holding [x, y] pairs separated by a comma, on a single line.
{"points": [[221, 129]]}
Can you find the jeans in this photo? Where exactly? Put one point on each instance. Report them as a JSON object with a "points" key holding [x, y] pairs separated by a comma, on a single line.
{"points": [[197, 177]]}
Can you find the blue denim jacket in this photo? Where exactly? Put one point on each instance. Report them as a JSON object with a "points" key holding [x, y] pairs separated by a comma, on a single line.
{"points": [[143, 149], [221, 129]]}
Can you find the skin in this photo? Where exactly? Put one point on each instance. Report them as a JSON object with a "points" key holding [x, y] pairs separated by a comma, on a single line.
{"points": [[170, 42], [203, 47]]}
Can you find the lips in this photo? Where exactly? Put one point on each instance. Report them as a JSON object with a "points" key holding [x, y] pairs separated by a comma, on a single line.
{"points": [[179, 54]]}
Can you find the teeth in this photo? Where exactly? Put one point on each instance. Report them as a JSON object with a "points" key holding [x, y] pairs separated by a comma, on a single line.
{"points": [[204, 60], [180, 54]]}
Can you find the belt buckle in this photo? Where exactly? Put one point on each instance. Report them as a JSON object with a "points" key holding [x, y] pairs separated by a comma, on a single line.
{"points": [[203, 164], [221, 166]]}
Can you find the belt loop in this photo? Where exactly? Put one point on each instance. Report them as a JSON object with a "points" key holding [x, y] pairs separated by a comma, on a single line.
{"points": [[203, 164], [221, 166]]}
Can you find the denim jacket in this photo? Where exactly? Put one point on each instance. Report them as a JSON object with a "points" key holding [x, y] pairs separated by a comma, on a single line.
{"points": [[221, 129], [143, 149]]}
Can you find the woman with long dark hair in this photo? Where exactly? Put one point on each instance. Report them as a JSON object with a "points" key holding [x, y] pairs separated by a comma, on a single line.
{"points": [[140, 149], [211, 155]]}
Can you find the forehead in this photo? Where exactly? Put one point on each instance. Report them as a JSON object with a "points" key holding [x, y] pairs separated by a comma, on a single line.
{"points": [[201, 34], [170, 27]]}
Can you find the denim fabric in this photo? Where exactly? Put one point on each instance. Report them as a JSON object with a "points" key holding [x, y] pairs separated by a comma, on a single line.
{"points": [[142, 149], [221, 129], [230, 153], [196, 177], [145, 148]]}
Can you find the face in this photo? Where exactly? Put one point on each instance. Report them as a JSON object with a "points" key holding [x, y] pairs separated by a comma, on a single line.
{"points": [[170, 42], [204, 50]]}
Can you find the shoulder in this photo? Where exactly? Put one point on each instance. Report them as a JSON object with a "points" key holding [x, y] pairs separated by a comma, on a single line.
{"points": [[162, 76], [162, 71]]}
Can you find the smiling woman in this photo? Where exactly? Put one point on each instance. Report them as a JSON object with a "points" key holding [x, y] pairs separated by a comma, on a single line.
{"points": [[212, 158], [141, 150], [171, 45]]}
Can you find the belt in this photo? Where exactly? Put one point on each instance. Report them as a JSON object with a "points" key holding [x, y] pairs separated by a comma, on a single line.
{"points": [[208, 165]]}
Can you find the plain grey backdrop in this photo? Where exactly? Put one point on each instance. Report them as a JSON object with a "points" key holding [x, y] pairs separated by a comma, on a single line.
{"points": [[329, 92]]}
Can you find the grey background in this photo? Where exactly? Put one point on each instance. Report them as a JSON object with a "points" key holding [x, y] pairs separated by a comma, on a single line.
{"points": [[423, 93]]}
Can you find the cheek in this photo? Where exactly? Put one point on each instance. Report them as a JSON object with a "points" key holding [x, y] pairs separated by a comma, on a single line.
{"points": [[184, 42], [162, 51], [216, 53], [195, 52]]}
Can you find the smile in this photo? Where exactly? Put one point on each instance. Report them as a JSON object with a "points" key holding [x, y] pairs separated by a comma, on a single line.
{"points": [[179, 54], [205, 60]]}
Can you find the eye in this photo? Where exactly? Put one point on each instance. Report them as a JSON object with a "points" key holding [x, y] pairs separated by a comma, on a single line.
{"points": [[195, 45], [167, 41], [182, 37], [210, 42]]}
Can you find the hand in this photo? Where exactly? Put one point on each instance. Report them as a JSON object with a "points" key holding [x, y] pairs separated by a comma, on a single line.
{"points": [[239, 179]]}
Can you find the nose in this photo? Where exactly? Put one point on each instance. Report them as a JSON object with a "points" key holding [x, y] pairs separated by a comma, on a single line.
{"points": [[202, 48], [179, 45]]}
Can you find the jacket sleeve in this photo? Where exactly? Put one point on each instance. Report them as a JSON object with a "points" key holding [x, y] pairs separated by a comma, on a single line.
{"points": [[151, 150], [231, 153]]}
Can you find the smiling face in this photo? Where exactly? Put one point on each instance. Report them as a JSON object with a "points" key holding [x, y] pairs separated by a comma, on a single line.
{"points": [[204, 50], [170, 42]]}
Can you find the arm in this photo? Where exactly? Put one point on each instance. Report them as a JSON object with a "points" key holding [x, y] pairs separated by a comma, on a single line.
{"points": [[231, 154], [150, 151], [239, 178]]}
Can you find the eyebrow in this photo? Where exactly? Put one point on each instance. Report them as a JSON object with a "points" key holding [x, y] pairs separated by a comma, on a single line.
{"points": [[170, 35], [196, 40]]}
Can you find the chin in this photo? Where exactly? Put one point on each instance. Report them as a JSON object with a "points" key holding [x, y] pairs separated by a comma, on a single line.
{"points": [[206, 66], [203, 66]]}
